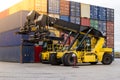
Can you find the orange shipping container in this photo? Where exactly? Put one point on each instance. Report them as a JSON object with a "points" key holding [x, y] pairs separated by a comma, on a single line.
{"points": [[41, 6], [4, 13], [64, 7]]}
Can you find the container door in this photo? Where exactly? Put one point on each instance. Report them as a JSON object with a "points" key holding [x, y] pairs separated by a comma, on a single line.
{"points": [[38, 50], [28, 54]]}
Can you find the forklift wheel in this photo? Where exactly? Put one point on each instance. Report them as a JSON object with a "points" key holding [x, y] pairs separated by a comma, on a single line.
{"points": [[107, 59], [68, 60], [53, 60]]}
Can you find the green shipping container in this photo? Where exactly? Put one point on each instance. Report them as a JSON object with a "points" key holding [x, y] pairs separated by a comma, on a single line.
{"points": [[94, 24]]}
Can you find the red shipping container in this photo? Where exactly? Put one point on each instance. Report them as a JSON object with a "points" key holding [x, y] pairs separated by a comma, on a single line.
{"points": [[38, 50], [4, 13], [110, 41], [65, 36], [85, 21], [110, 28], [64, 7]]}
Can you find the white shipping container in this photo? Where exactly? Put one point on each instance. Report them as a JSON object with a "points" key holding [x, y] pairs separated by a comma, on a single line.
{"points": [[85, 10]]}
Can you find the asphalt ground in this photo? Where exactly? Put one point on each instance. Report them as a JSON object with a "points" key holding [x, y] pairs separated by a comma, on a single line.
{"points": [[39, 71]]}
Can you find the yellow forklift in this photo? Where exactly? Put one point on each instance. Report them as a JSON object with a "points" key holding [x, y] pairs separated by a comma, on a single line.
{"points": [[90, 49]]}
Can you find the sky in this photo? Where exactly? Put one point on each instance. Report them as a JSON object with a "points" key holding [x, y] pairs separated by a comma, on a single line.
{"points": [[4, 4]]}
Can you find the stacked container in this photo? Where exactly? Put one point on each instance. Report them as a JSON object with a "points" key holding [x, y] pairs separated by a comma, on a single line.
{"points": [[41, 6], [12, 47], [85, 14], [100, 18], [75, 12], [4, 13]]}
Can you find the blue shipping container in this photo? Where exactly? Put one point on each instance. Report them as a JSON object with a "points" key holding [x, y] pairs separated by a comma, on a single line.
{"points": [[102, 27], [75, 20], [93, 12], [54, 6], [75, 9], [110, 14], [9, 38], [102, 13], [65, 18], [17, 54], [27, 54]]}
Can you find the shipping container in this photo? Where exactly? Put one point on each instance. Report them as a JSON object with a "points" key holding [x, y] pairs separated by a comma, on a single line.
{"points": [[75, 9], [102, 13], [54, 15], [4, 13], [23, 5], [41, 6], [65, 18], [94, 23], [75, 20], [38, 50], [13, 21], [85, 21], [17, 54], [64, 7], [110, 41], [110, 27], [110, 14], [10, 38], [54, 6], [102, 27], [85, 10], [27, 54], [93, 12]]}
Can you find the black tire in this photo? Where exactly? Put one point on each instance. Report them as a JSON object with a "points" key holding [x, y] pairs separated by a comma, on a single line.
{"points": [[68, 60], [53, 59], [107, 59], [93, 63]]}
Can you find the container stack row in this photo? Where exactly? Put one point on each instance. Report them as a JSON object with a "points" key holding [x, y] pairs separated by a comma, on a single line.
{"points": [[13, 49]]}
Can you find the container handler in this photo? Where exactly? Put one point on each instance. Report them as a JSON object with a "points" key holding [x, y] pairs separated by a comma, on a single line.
{"points": [[90, 49]]}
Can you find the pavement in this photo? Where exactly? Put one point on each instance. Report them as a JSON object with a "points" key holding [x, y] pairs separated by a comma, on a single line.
{"points": [[39, 71]]}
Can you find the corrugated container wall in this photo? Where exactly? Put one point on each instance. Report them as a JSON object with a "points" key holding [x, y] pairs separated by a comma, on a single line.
{"points": [[41, 6], [54, 6], [74, 9], [85, 10], [65, 18], [93, 12], [102, 13], [110, 14], [94, 23], [64, 7], [17, 53], [102, 27], [9, 38], [110, 28], [85, 22], [15, 20], [110, 41], [75, 19], [4, 13]]}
